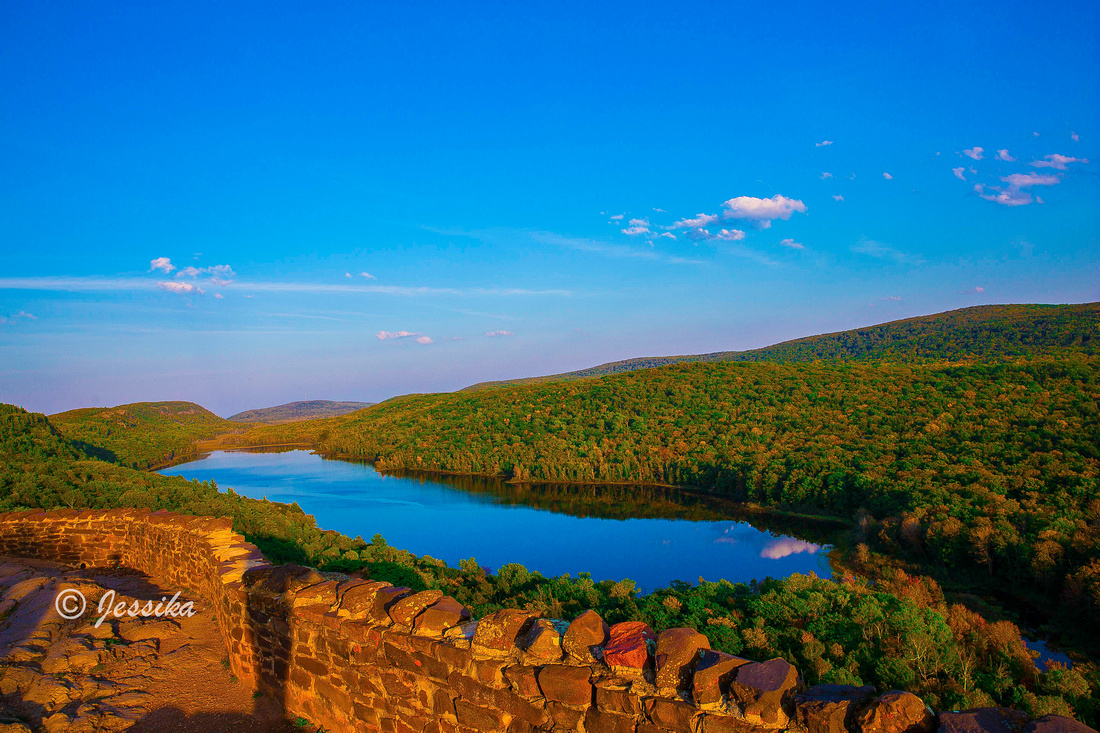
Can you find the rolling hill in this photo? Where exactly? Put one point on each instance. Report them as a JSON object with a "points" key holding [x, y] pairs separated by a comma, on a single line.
{"points": [[987, 332], [294, 411], [142, 434]]}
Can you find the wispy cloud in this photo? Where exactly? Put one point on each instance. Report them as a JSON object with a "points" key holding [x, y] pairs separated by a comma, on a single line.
{"points": [[92, 284], [761, 212], [1002, 154], [826, 175], [617, 217], [21, 315], [1057, 162], [1075, 137], [498, 334], [388, 335], [367, 276], [219, 296], [791, 243], [608, 249], [695, 222], [823, 143], [425, 340], [887, 176], [722, 235], [891, 297], [1013, 195], [837, 197], [181, 288], [974, 152], [959, 173], [347, 275], [161, 263], [975, 289], [871, 248]]}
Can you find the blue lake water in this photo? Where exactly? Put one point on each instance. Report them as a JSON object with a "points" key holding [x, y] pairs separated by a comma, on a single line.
{"points": [[554, 531]]}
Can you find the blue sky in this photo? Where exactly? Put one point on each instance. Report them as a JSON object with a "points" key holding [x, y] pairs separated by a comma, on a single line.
{"points": [[529, 190]]}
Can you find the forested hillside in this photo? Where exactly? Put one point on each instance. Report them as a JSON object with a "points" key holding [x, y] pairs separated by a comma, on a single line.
{"points": [[985, 332], [991, 468], [293, 411], [894, 631], [142, 434]]}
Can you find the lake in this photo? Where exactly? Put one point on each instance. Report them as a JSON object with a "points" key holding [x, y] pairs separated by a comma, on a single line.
{"points": [[652, 536]]}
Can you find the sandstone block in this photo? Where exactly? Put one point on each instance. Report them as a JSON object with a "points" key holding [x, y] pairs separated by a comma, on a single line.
{"points": [[568, 685], [498, 631], [764, 688], [711, 682], [897, 712], [597, 721], [404, 610], [543, 640], [670, 714], [677, 656], [440, 616], [983, 720], [383, 599], [628, 644], [830, 708], [1057, 724], [587, 631]]}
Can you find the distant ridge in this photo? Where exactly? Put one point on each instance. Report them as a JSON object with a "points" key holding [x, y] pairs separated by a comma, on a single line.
{"points": [[294, 411], [983, 331]]}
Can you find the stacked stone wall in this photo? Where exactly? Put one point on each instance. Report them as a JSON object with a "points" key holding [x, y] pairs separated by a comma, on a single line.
{"points": [[358, 655]]}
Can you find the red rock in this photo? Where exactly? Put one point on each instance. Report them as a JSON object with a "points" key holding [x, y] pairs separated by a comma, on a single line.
{"points": [[763, 688], [1057, 724], [404, 610], [897, 712], [567, 685], [983, 720], [543, 640], [713, 675], [440, 616], [830, 708], [499, 631], [677, 656], [629, 644], [383, 599], [587, 631]]}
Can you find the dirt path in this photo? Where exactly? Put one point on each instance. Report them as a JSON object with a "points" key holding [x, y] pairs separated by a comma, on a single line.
{"points": [[165, 675]]}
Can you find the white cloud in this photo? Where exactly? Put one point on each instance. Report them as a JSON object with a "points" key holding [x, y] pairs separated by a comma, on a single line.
{"points": [[722, 235], [838, 197], [826, 175], [1057, 162], [498, 334], [791, 243], [161, 263], [635, 230], [1023, 180], [1002, 154], [15, 317], [974, 152], [219, 274], [781, 548], [761, 212], [823, 143], [617, 217], [423, 340], [959, 173], [347, 275], [1005, 198], [1075, 137], [879, 250], [661, 211], [181, 288], [367, 275], [700, 220], [1035, 134], [891, 297], [668, 235], [887, 176], [219, 296], [386, 335]]}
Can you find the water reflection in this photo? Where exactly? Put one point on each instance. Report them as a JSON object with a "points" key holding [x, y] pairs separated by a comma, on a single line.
{"points": [[650, 535]]}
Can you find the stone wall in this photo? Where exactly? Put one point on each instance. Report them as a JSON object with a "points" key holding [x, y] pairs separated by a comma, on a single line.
{"points": [[352, 655]]}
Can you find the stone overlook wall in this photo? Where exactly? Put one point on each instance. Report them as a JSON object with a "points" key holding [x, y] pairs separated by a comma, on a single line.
{"points": [[355, 655]]}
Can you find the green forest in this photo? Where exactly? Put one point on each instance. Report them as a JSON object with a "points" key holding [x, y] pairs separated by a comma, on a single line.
{"points": [[886, 629], [961, 451], [143, 434]]}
